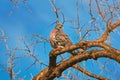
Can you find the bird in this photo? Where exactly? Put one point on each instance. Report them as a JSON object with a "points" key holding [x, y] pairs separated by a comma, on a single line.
{"points": [[58, 39]]}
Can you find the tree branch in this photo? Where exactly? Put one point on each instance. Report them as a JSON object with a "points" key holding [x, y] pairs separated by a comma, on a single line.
{"points": [[76, 66], [107, 32], [75, 59]]}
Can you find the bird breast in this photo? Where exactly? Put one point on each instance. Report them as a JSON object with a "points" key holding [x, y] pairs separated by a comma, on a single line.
{"points": [[52, 34]]}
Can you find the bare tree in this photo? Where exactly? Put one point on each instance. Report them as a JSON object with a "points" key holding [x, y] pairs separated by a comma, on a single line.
{"points": [[98, 38], [104, 21]]}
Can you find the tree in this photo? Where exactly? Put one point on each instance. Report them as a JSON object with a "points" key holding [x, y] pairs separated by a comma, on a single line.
{"points": [[105, 11], [97, 43]]}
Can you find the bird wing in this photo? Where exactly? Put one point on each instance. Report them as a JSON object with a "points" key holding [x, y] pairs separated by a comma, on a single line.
{"points": [[63, 39]]}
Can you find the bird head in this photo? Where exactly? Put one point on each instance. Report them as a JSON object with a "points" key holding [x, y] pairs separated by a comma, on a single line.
{"points": [[59, 26]]}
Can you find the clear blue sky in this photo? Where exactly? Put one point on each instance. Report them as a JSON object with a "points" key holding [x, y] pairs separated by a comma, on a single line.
{"points": [[36, 21]]}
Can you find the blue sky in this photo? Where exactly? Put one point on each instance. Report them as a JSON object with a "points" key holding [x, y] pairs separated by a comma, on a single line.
{"points": [[36, 17]]}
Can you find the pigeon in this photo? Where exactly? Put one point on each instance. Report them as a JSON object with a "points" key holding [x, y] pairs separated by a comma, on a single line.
{"points": [[58, 38]]}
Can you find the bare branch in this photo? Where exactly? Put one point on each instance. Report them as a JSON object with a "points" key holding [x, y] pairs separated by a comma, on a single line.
{"points": [[107, 32], [55, 10], [73, 60], [88, 73]]}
